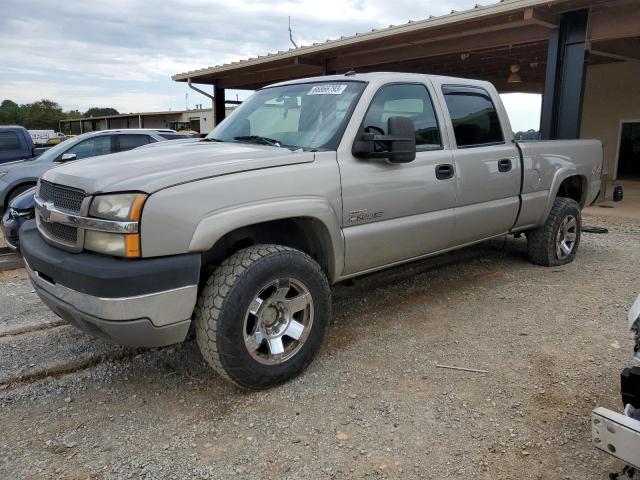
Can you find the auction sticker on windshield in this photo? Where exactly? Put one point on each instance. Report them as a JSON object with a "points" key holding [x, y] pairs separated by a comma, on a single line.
{"points": [[327, 89]]}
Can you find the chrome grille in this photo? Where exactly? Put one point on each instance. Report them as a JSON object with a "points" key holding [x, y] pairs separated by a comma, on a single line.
{"points": [[62, 197], [61, 232]]}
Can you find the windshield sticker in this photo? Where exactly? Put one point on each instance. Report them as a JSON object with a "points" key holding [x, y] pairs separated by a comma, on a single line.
{"points": [[327, 89]]}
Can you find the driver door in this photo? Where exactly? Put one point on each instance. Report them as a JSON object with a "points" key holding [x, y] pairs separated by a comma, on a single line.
{"points": [[395, 212]]}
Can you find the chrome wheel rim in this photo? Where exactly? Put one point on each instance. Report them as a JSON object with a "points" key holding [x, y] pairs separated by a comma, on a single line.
{"points": [[278, 321], [566, 238]]}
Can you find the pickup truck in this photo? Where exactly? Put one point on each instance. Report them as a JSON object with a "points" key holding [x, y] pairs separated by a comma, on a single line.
{"points": [[16, 144], [308, 183]]}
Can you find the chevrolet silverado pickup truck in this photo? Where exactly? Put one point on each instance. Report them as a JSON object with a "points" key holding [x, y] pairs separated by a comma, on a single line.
{"points": [[308, 183]]}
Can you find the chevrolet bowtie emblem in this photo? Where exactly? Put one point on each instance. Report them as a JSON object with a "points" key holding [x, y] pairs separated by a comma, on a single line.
{"points": [[45, 212]]}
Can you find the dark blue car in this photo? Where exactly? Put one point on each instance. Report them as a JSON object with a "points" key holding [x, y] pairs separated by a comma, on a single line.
{"points": [[20, 210]]}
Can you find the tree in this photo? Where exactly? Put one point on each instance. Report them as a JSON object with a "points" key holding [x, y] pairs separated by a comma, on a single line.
{"points": [[44, 114], [100, 112], [530, 134], [9, 113]]}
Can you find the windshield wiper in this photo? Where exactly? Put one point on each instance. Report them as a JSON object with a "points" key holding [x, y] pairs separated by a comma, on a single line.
{"points": [[258, 139], [206, 139]]}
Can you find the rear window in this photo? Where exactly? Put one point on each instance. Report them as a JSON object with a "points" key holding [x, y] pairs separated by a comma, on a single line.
{"points": [[474, 116], [174, 136], [129, 142], [9, 141]]}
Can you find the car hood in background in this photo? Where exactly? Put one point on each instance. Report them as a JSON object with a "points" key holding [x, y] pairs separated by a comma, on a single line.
{"points": [[151, 169]]}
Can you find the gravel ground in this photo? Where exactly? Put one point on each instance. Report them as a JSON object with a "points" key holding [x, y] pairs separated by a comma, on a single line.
{"points": [[373, 405]]}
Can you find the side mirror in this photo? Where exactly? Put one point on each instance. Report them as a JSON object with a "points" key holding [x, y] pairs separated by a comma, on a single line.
{"points": [[397, 147], [67, 157]]}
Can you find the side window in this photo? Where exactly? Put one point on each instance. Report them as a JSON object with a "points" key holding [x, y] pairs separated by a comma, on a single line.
{"points": [[9, 141], [92, 147], [474, 117], [127, 142], [405, 100]]}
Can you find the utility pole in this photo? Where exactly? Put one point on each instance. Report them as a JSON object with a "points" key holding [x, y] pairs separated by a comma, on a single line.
{"points": [[291, 35]]}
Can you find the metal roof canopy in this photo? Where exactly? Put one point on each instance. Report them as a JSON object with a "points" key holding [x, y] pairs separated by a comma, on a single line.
{"points": [[482, 42]]}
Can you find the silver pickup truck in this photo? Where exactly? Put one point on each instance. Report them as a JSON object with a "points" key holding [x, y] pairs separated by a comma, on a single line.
{"points": [[308, 183]]}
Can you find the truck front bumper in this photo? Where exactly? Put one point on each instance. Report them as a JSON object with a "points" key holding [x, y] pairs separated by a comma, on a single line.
{"points": [[142, 302]]}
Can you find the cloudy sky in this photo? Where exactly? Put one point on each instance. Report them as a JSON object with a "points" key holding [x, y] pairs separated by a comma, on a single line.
{"points": [[122, 53]]}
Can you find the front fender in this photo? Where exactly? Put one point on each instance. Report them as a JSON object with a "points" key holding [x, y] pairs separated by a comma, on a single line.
{"points": [[218, 223]]}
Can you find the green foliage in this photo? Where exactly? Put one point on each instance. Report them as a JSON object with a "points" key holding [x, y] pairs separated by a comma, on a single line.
{"points": [[100, 112], [530, 134], [9, 113], [44, 114]]}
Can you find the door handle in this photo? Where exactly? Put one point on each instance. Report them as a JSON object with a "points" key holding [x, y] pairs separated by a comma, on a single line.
{"points": [[444, 171], [504, 165]]}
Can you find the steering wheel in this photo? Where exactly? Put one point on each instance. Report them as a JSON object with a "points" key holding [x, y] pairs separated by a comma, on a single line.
{"points": [[378, 145]]}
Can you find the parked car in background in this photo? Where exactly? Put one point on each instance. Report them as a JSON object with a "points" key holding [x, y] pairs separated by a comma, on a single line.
{"points": [[17, 177], [20, 210], [17, 144]]}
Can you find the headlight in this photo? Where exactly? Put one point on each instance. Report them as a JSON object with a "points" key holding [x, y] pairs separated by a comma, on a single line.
{"points": [[123, 207]]}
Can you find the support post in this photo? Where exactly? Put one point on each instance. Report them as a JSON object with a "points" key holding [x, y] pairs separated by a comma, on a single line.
{"points": [[219, 101], [139, 121], [564, 81]]}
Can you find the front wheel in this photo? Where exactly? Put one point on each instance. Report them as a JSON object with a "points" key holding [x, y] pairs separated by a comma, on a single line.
{"points": [[556, 242], [262, 315]]}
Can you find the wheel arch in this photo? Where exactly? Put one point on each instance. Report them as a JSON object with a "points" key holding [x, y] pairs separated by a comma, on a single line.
{"points": [[29, 183], [567, 183], [309, 225]]}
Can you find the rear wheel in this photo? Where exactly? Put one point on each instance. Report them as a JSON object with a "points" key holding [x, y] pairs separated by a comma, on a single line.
{"points": [[556, 242], [263, 315]]}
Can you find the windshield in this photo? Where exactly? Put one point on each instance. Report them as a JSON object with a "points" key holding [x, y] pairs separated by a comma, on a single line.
{"points": [[305, 115]]}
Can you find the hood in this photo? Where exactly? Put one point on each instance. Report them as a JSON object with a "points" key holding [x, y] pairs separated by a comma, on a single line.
{"points": [[27, 170], [152, 169], [7, 166]]}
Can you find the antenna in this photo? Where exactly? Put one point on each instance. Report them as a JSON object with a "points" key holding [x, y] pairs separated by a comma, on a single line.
{"points": [[291, 34]]}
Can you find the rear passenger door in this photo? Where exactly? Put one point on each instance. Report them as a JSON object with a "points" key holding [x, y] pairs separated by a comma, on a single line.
{"points": [[130, 141], [487, 167], [397, 211]]}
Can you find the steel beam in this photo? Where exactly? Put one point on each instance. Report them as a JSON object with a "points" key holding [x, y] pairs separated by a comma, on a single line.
{"points": [[219, 102], [564, 81]]}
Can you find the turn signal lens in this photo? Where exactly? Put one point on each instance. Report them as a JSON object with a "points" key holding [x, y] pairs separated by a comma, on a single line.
{"points": [[116, 244]]}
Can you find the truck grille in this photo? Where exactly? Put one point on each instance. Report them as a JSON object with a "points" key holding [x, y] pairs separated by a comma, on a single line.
{"points": [[61, 232], [61, 197]]}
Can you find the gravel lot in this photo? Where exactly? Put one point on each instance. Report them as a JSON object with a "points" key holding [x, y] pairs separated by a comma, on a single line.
{"points": [[373, 405]]}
